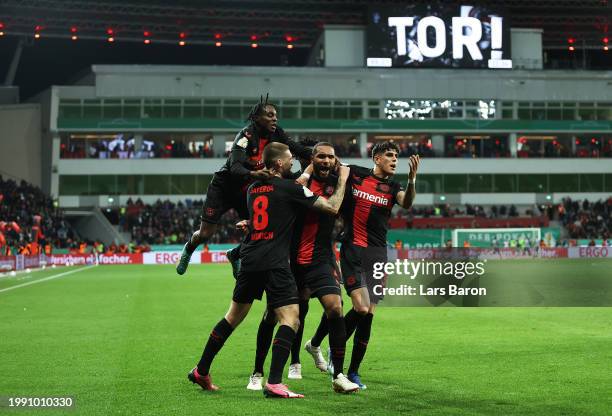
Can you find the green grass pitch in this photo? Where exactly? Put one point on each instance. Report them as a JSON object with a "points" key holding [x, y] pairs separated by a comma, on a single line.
{"points": [[121, 339]]}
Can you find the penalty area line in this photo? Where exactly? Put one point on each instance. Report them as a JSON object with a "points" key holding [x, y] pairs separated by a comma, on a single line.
{"points": [[44, 279]]}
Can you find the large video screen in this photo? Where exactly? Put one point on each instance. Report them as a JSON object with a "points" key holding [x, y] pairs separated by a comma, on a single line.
{"points": [[437, 36]]}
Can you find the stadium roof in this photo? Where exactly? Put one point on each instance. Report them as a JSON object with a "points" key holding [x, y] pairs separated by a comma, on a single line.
{"points": [[273, 21]]}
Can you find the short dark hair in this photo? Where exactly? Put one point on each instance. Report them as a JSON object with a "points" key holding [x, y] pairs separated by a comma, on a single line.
{"points": [[272, 152], [382, 147], [260, 108], [314, 149]]}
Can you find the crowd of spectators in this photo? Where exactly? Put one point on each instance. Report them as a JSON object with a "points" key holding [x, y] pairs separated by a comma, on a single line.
{"points": [[36, 217], [467, 210], [584, 219], [165, 222], [127, 148]]}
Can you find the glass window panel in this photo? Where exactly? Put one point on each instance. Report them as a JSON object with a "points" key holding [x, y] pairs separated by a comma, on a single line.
{"points": [[232, 112], [172, 111], [309, 112], [538, 114], [69, 111], [212, 112], [587, 114], [73, 184], [92, 111], [373, 103], [568, 114], [102, 185], [507, 113], [192, 111], [289, 112], [157, 184], [532, 183], [604, 114], [591, 182], [131, 111], [130, 184], [308, 102], [324, 103], [524, 114], [290, 102], [111, 112], [471, 113], [189, 101], [554, 114], [214, 101], [430, 183], [340, 112], [183, 184], [354, 113], [608, 182], [355, 103], [440, 113], [564, 183], [324, 112], [504, 183], [152, 108], [374, 112], [202, 182], [70, 101], [454, 184], [480, 183]]}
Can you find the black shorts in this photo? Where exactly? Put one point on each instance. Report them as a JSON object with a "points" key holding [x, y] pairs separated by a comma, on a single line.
{"points": [[278, 284], [319, 279], [357, 266], [221, 196]]}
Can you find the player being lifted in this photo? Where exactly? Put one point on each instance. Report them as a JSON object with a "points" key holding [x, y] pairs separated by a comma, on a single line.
{"points": [[244, 165], [265, 265], [312, 264], [371, 194]]}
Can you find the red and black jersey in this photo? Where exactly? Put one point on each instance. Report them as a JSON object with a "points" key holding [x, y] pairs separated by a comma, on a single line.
{"points": [[312, 238], [273, 206], [367, 207], [247, 154]]}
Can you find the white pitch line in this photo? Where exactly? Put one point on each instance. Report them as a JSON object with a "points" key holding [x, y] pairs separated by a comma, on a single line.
{"points": [[55, 276]]}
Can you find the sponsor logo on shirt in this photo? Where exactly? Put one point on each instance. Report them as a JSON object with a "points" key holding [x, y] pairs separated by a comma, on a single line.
{"points": [[369, 197]]}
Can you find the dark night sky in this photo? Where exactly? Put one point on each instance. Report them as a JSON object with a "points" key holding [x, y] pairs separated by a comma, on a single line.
{"points": [[60, 62]]}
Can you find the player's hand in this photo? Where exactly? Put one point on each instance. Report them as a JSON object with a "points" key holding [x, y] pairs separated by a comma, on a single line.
{"points": [[243, 226], [262, 174], [413, 163]]}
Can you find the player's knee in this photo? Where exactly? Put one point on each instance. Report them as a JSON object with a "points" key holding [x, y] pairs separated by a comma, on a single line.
{"points": [[361, 309], [335, 311]]}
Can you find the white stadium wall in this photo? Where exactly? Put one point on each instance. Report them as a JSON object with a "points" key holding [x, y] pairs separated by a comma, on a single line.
{"points": [[20, 142]]}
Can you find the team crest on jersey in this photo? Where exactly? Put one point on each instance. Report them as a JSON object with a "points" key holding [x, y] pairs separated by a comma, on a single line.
{"points": [[210, 212], [329, 190], [350, 281], [357, 179], [383, 187], [243, 142]]}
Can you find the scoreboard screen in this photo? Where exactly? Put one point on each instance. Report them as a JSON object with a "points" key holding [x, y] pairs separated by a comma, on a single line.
{"points": [[429, 36]]}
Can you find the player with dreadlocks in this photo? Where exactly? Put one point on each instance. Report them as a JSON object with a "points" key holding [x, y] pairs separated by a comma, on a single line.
{"points": [[244, 165]]}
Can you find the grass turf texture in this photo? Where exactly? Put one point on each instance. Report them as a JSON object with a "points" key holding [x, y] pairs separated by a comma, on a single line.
{"points": [[121, 339]]}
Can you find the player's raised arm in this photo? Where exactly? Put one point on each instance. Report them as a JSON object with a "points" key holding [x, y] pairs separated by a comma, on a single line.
{"points": [[332, 205], [406, 198]]}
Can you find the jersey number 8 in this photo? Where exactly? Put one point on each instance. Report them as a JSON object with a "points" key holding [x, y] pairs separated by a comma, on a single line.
{"points": [[260, 213]]}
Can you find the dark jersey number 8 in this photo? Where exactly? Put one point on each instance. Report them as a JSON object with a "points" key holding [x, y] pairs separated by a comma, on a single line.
{"points": [[260, 213]]}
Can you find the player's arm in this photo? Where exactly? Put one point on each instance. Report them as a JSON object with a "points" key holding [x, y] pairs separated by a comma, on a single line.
{"points": [[238, 158], [303, 178], [295, 148], [406, 198], [332, 205]]}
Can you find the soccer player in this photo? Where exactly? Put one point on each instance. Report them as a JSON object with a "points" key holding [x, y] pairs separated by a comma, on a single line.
{"points": [[312, 263], [265, 265], [366, 213], [244, 165]]}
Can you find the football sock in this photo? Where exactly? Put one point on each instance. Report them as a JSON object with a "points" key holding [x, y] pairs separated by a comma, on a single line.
{"points": [[360, 343], [321, 332], [351, 319], [217, 338], [337, 343], [265, 332], [281, 347], [297, 343]]}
